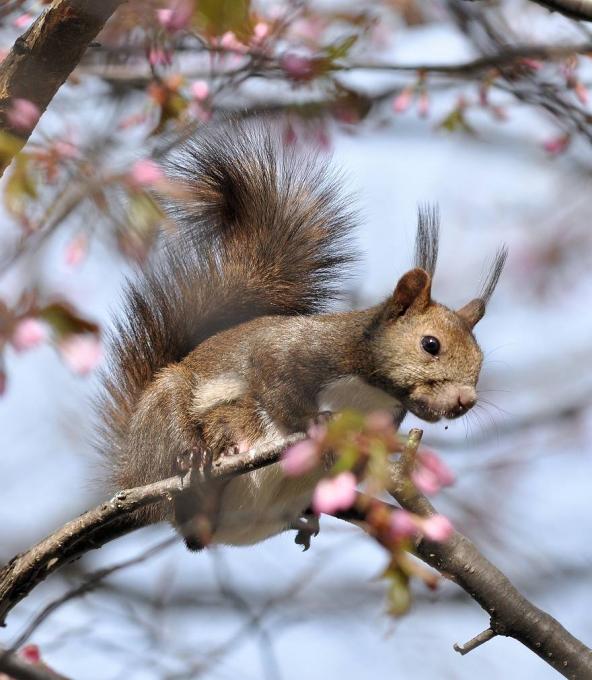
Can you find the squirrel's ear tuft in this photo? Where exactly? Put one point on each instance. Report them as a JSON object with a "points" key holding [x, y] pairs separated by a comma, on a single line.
{"points": [[413, 291], [427, 237]]}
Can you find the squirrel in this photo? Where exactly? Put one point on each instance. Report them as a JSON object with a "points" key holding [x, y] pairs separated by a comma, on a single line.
{"points": [[225, 341]]}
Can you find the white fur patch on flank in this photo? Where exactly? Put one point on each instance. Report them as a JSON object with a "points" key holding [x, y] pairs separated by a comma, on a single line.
{"points": [[352, 392], [221, 390]]}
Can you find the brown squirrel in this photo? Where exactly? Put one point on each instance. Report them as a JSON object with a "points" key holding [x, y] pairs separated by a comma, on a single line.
{"points": [[225, 343]]}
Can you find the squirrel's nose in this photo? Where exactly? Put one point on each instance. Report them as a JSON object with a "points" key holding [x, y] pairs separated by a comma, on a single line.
{"points": [[467, 397]]}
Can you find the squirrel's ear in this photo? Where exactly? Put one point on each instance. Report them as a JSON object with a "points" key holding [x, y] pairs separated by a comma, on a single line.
{"points": [[413, 291], [472, 312]]}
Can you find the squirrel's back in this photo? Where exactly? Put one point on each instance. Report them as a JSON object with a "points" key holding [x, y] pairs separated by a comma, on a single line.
{"points": [[263, 230]]}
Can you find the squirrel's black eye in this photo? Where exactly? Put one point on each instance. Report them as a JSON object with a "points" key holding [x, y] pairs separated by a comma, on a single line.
{"points": [[430, 344]]}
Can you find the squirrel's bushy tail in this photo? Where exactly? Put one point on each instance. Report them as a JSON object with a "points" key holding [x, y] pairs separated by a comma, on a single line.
{"points": [[264, 230]]}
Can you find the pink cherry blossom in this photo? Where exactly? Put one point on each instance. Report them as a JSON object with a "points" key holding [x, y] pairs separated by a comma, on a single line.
{"points": [[297, 66], [335, 493], [146, 173], [176, 17], [23, 20], [30, 653], [581, 92], [431, 474], [260, 32], [436, 528], [300, 458], [402, 524], [402, 101], [557, 145], [76, 250], [229, 41], [81, 352], [23, 114], [28, 333], [159, 57], [200, 90]]}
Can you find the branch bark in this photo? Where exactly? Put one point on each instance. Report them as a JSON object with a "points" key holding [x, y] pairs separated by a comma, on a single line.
{"points": [[511, 614], [111, 520], [44, 56]]}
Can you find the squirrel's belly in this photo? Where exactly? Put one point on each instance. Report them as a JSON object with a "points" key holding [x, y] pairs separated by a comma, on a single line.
{"points": [[265, 502], [261, 504]]}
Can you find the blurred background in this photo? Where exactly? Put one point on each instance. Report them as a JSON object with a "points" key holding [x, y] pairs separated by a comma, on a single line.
{"points": [[480, 107]]}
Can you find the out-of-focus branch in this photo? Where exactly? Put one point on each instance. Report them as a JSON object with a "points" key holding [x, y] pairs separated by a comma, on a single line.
{"points": [[508, 56], [511, 614], [574, 9], [113, 519], [44, 56]]}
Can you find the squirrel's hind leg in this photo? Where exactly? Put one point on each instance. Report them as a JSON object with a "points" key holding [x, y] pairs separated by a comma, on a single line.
{"points": [[224, 430]]}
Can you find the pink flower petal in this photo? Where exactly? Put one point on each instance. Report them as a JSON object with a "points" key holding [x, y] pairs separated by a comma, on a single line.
{"points": [[81, 352], [146, 173], [402, 524], [437, 528], [402, 101], [557, 145], [434, 463], [200, 90], [23, 20], [28, 333], [297, 66], [336, 493], [30, 653], [23, 114], [159, 57], [425, 481], [300, 458], [177, 17], [76, 250], [261, 31]]}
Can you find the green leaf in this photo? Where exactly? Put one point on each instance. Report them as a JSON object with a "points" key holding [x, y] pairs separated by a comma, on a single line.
{"points": [[398, 594], [216, 17], [340, 49]]}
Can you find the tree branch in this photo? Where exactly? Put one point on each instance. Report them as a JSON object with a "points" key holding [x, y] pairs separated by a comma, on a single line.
{"points": [[17, 669], [511, 614], [574, 9], [44, 56], [111, 520]]}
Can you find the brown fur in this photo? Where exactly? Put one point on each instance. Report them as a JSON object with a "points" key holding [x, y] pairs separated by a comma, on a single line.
{"points": [[224, 344]]}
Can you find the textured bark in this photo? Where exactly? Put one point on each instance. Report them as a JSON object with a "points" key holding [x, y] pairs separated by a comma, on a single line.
{"points": [[44, 56]]}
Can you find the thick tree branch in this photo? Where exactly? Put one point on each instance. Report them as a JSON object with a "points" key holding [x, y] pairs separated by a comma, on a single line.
{"points": [[44, 56], [110, 520], [511, 614]]}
